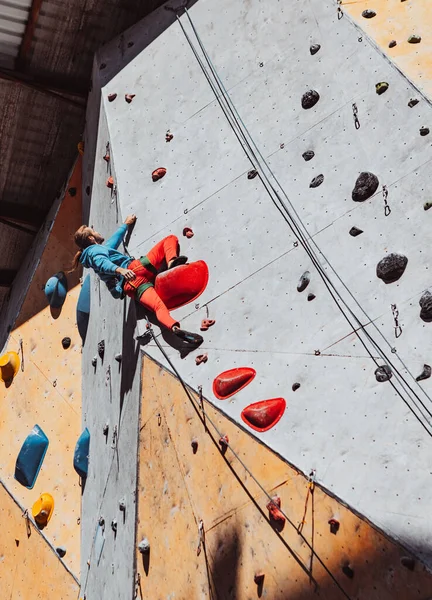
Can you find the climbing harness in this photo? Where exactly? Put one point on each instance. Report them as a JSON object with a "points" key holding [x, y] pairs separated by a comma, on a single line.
{"points": [[397, 327], [355, 112], [387, 209]]}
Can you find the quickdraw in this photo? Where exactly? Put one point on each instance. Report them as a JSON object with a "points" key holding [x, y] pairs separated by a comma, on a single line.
{"points": [[397, 327], [387, 209], [355, 112]]}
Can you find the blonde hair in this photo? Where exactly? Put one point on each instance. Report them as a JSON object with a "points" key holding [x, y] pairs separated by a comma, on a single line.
{"points": [[81, 239]]}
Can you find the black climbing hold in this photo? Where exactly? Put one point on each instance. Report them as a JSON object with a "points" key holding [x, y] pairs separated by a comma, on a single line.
{"points": [[102, 66], [61, 551], [309, 99], [414, 39], [314, 48], [94, 361], [308, 155], [316, 181], [408, 562], [72, 191], [413, 102], [303, 282], [391, 267], [425, 374], [368, 14], [130, 44], [424, 131], [426, 307], [252, 174], [194, 444], [334, 526], [118, 358], [346, 570], [311, 297], [392, 44], [381, 87], [101, 349], [383, 373], [365, 186], [66, 342], [88, 190], [427, 205], [295, 387], [355, 231]]}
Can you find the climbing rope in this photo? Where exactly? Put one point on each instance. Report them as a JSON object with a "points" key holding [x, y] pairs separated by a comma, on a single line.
{"points": [[301, 232], [200, 409]]}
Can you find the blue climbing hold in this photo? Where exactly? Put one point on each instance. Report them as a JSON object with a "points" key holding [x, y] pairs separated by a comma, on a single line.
{"points": [[81, 455], [83, 309], [30, 457], [56, 289]]}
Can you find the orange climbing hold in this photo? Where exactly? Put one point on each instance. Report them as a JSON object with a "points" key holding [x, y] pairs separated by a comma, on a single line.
{"points": [[206, 323], [42, 510], [112, 97], [110, 182], [129, 98], [187, 232], [159, 173], [168, 136], [230, 382], [275, 513], [179, 286], [264, 415], [9, 366], [201, 358]]}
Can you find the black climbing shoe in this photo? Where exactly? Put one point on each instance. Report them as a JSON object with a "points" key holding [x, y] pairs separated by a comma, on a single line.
{"points": [[180, 260], [191, 338]]}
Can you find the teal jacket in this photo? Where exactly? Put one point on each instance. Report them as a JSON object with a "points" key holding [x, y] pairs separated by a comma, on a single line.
{"points": [[104, 259]]}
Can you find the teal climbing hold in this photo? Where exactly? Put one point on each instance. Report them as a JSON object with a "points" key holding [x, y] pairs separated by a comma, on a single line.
{"points": [[56, 289], [81, 455], [30, 457]]}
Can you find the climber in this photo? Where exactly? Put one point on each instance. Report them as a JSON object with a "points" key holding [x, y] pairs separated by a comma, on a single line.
{"points": [[134, 277]]}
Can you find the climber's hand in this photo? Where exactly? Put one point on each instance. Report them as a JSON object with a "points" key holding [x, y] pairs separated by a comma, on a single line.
{"points": [[130, 219], [128, 274]]}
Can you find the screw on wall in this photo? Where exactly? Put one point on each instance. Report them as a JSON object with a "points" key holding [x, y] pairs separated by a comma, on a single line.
{"points": [[397, 327], [355, 113]]}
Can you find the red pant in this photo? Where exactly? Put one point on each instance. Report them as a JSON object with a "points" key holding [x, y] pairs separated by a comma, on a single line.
{"points": [[165, 250]]}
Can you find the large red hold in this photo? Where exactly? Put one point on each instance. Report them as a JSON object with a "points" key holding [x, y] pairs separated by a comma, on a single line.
{"points": [[230, 382], [264, 415], [179, 286]]}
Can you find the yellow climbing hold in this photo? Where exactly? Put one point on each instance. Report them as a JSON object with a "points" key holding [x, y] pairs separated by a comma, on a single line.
{"points": [[9, 366], [42, 509], [81, 148]]}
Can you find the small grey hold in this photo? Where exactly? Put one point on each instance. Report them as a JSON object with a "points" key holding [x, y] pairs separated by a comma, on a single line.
{"points": [[101, 349], [144, 546], [391, 267], [413, 102], [122, 505], [114, 525], [426, 307], [355, 231], [309, 99], [414, 39], [118, 358], [346, 570], [308, 155], [252, 174], [365, 186], [408, 562], [94, 361], [368, 14], [314, 48], [311, 297], [303, 282], [392, 44], [61, 551], [425, 374], [295, 387], [381, 87], [383, 373], [424, 131], [66, 342], [316, 181], [427, 205]]}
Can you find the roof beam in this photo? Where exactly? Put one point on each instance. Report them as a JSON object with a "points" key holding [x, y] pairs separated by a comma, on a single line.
{"points": [[28, 33], [28, 215], [7, 276]]}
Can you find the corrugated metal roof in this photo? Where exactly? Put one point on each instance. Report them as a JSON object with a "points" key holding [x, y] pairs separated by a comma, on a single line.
{"points": [[13, 19]]}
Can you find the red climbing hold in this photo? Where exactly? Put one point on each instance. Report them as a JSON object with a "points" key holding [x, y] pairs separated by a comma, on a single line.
{"points": [[259, 578], [110, 182], [187, 232], [107, 157], [129, 98], [168, 136], [264, 415], [158, 173], [206, 323], [224, 441], [230, 382], [201, 358], [179, 286], [112, 97], [274, 510]]}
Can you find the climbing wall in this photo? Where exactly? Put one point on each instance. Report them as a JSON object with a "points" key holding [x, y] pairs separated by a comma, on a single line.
{"points": [[111, 367], [186, 479], [323, 105], [47, 389], [30, 567]]}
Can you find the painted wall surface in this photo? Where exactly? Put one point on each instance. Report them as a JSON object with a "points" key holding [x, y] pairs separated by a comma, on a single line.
{"points": [[111, 393], [47, 389], [359, 434], [29, 566], [179, 487]]}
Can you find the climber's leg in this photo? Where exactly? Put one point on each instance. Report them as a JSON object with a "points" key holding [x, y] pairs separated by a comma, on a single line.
{"points": [[150, 300], [166, 250]]}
